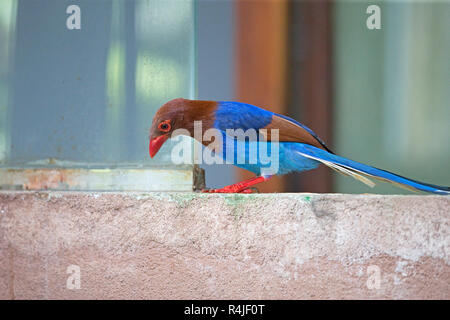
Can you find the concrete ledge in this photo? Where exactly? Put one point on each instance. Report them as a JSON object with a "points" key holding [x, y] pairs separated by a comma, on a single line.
{"points": [[97, 178], [189, 246]]}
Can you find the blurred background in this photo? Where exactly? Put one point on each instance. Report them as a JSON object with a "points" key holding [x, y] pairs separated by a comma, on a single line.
{"points": [[86, 97]]}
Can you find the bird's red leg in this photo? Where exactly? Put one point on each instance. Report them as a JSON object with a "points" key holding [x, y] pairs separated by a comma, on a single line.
{"points": [[240, 187]]}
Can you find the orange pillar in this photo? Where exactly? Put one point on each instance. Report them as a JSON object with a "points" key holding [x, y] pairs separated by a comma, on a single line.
{"points": [[261, 56], [311, 67]]}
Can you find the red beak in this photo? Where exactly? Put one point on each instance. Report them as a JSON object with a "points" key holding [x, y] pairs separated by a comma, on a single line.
{"points": [[156, 143]]}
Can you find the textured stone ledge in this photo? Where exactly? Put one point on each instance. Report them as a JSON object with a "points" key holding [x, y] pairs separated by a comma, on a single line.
{"points": [[189, 245]]}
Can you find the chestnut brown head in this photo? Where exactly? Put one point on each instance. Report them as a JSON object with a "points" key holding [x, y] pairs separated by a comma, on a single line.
{"points": [[178, 114]]}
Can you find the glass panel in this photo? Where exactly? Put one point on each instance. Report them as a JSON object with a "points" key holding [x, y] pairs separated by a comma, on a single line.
{"points": [[391, 90], [86, 97], [89, 95]]}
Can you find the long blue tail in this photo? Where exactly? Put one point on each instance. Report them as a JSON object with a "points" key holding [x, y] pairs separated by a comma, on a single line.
{"points": [[361, 171]]}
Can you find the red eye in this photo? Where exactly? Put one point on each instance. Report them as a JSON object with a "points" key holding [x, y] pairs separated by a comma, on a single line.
{"points": [[165, 126]]}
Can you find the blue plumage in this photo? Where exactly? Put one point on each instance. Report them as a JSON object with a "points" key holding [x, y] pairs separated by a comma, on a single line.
{"points": [[238, 115], [286, 161], [294, 156], [367, 170]]}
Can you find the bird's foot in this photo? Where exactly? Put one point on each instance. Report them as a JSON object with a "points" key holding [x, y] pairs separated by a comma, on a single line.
{"points": [[241, 187], [230, 190]]}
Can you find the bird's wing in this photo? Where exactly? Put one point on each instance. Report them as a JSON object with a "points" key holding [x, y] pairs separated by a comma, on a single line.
{"points": [[237, 115], [293, 131]]}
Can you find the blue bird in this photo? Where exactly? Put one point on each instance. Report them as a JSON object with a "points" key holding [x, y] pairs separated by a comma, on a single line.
{"points": [[263, 142]]}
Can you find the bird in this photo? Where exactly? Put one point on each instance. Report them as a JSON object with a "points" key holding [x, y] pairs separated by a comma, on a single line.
{"points": [[298, 147]]}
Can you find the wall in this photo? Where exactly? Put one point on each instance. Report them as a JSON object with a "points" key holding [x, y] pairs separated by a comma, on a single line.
{"points": [[190, 245]]}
